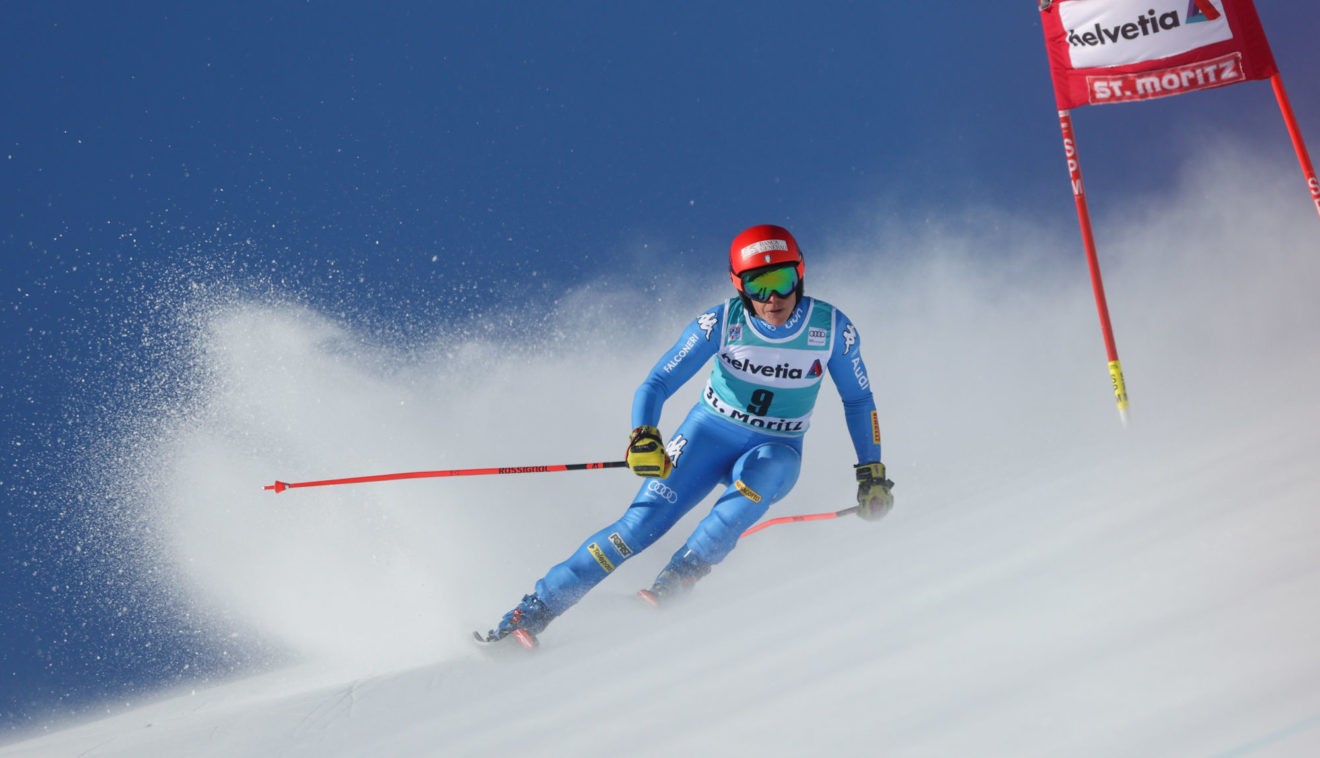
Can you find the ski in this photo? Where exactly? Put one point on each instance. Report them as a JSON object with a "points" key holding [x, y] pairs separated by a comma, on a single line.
{"points": [[525, 639]]}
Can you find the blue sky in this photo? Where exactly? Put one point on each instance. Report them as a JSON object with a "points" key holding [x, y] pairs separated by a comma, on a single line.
{"points": [[395, 164]]}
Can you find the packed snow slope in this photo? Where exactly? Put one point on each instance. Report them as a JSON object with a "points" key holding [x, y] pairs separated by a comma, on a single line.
{"points": [[1050, 582]]}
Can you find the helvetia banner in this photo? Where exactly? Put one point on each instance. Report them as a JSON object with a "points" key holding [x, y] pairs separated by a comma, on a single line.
{"points": [[1117, 51]]}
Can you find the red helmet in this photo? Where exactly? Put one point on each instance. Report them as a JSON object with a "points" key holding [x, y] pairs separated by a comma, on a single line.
{"points": [[761, 246]]}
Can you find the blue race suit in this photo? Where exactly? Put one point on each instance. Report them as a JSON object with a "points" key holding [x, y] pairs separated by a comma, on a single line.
{"points": [[745, 432]]}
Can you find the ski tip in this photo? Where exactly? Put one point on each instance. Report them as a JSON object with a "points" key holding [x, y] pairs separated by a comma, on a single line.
{"points": [[649, 598], [526, 641]]}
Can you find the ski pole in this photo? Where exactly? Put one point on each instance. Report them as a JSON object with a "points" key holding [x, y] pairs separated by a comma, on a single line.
{"points": [[279, 486], [803, 517]]}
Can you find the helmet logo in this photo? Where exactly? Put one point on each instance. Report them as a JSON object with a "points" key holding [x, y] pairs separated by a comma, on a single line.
{"points": [[764, 246]]}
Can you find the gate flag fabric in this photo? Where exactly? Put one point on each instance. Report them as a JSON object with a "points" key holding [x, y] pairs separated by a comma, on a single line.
{"points": [[1116, 51]]}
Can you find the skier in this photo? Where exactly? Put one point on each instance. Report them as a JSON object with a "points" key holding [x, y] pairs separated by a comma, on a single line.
{"points": [[772, 346]]}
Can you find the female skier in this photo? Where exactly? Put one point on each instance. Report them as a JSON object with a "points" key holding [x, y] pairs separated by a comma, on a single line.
{"points": [[772, 346]]}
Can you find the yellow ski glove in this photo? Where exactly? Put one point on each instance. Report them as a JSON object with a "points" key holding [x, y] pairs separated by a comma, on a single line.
{"points": [[646, 453]]}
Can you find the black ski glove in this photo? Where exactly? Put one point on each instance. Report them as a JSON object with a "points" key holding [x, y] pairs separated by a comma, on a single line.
{"points": [[874, 499]]}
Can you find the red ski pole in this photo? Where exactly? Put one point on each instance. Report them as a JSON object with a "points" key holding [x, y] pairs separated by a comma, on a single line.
{"points": [[803, 517], [279, 486]]}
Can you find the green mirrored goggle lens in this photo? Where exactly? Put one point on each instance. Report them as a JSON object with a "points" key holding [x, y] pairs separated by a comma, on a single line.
{"points": [[779, 281]]}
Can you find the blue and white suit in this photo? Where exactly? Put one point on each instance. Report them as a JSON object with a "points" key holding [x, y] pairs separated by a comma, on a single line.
{"points": [[745, 432]]}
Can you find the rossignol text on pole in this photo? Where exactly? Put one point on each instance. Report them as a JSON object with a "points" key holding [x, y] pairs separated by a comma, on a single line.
{"points": [[279, 486]]}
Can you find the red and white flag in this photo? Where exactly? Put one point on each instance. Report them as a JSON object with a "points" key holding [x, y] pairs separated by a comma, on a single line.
{"points": [[1116, 51]]}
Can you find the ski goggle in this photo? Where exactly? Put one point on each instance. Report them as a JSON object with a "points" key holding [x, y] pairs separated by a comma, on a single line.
{"points": [[759, 286]]}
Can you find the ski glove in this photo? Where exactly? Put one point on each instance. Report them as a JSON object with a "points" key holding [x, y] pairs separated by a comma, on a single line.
{"points": [[646, 453], [874, 499]]}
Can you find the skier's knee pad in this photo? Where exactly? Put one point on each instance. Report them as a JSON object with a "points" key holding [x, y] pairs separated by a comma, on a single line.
{"points": [[596, 558], [762, 476], [718, 532], [643, 523]]}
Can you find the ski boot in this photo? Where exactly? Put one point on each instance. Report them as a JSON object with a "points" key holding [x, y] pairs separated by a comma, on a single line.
{"points": [[677, 579], [522, 623]]}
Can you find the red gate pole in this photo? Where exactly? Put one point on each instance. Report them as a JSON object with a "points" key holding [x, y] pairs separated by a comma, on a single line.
{"points": [[1299, 145], [1093, 262]]}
